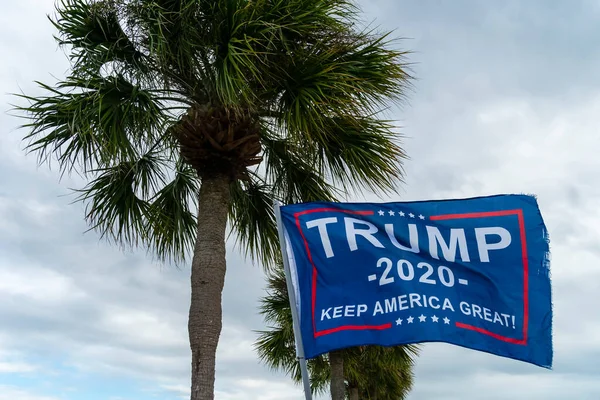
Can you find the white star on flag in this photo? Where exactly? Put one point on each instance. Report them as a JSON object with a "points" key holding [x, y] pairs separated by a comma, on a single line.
{"points": [[434, 318], [421, 216], [381, 213], [410, 320], [399, 321], [401, 213], [422, 318], [391, 213], [446, 321], [411, 215]]}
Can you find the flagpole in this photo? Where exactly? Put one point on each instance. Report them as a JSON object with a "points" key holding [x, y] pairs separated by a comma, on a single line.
{"points": [[292, 297]]}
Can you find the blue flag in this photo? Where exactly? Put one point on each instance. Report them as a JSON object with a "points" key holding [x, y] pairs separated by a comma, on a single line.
{"points": [[471, 272]]}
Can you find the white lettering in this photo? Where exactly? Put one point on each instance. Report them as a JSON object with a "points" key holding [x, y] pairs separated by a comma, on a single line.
{"points": [[322, 225], [391, 305], [402, 302], [413, 235], [414, 299], [487, 315], [447, 304], [337, 312], [484, 247], [325, 313], [378, 309], [349, 311], [484, 313], [497, 318], [352, 232], [457, 239], [464, 307], [362, 308]]}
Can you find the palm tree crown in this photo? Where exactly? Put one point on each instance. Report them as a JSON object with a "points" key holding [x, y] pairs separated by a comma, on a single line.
{"points": [[160, 90]]}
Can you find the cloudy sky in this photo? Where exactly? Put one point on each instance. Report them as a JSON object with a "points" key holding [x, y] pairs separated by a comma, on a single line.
{"points": [[507, 101]]}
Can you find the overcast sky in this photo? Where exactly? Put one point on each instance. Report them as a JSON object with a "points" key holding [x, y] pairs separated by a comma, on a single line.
{"points": [[507, 101]]}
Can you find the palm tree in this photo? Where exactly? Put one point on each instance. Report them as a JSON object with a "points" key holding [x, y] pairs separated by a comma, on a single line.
{"points": [[184, 114], [370, 372]]}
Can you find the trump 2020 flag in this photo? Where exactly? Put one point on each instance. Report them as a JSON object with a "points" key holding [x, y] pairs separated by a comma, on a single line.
{"points": [[471, 272]]}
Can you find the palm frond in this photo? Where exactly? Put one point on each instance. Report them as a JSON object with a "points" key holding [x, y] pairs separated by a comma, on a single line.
{"points": [[176, 33], [261, 39], [361, 152], [352, 74], [253, 219], [171, 227], [114, 206], [93, 32], [142, 202], [91, 122], [365, 364], [290, 171]]}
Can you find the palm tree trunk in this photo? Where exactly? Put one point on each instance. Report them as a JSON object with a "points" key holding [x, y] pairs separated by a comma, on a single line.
{"points": [[337, 384], [208, 278], [354, 393]]}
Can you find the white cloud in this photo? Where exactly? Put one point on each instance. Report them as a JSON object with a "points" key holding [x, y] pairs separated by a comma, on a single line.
{"points": [[36, 284], [15, 393], [15, 367], [237, 345], [143, 326], [181, 391]]}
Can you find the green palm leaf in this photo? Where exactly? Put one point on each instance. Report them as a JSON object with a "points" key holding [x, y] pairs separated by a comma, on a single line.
{"points": [[253, 218], [92, 122]]}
